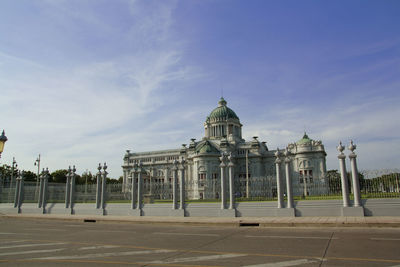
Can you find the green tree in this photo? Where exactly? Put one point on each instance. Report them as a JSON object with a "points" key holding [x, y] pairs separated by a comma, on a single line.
{"points": [[29, 176], [59, 176]]}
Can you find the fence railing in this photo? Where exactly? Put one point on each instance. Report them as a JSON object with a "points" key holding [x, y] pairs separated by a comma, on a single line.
{"points": [[373, 184]]}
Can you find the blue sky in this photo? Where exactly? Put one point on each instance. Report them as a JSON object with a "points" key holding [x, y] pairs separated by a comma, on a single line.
{"points": [[82, 81]]}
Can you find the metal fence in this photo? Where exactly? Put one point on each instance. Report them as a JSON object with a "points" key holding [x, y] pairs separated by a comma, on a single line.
{"points": [[373, 184]]}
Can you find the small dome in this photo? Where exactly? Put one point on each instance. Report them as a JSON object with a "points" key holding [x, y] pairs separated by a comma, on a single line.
{"points": [[305, 140], [223, 112], [206, 148]]}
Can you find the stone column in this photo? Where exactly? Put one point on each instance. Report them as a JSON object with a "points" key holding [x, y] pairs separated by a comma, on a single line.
{"points": [[17, 188], [289, 187], [40, 198], [182, 185], [354, 175], [140, 186], [98, 187], [343, 175], [133, 187], [165, 186], [103, 187], [72, 190], [44, 194], [124, 181], [231, 185], [174, 185], [67, 188], [223, 166], [20, 191], [279, 191]]}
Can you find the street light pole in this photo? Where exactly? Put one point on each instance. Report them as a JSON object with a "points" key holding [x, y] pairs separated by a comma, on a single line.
{"points": [[13, 166]]}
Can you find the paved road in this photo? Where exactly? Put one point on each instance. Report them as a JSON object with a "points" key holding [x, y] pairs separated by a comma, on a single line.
{"points": [[44, 242]]}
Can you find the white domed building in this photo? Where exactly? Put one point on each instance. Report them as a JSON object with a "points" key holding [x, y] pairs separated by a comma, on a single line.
{"points": [[254, 164]]}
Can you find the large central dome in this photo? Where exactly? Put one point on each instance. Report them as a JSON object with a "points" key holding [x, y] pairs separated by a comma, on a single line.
{"points": [[222, 112], [223, 123]]}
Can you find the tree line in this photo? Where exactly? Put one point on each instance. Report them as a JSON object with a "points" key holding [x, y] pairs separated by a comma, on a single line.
{"points": [[57, 176]]}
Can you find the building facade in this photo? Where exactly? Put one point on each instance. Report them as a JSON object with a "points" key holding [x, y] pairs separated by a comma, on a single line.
{"points": [[254, 163]]}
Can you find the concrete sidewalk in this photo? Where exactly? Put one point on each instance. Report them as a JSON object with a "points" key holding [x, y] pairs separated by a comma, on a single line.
{"points": [[378, 221]]}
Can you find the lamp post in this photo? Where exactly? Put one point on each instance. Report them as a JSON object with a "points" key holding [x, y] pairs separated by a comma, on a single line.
{"points": [[3, 140], [13, 167]]}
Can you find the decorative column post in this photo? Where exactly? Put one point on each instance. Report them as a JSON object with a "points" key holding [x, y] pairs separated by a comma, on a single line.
{"points": [[354, 175], [166, 184], [44, 194], [40, 199], [98, 187], [182, 185], [21, 191], [140, 187], [17, 188], [72, 190], [174, 185], [231, 185], [343, 175], [289, 187], [133, 187], [103, 187], [223, 166], [67, 187], [279, 191]]}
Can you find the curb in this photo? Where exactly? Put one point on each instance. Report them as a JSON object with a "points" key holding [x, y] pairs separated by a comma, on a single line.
{"points": [[219, 222]]}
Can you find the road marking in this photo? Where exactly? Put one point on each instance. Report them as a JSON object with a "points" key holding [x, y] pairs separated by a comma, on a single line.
{"points": [[386, 239], [289, 237], [110, 231], [161, 233], [45, 229], [282, 263], [15, 241], [97, 247], [197, 259], [31, 245], [107, 254], [14, 234], [30, 252], [107, 262]]}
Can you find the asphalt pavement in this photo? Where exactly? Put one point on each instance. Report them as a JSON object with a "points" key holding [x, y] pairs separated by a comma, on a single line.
{"points": [[45, 241]]}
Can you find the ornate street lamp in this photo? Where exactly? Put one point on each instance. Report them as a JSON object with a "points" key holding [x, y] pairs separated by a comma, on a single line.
{"points": [[3, 140]]}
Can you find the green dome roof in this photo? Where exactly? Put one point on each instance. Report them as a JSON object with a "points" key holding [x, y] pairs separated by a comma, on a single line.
{"points": [[222, 111], [304, 140]]}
